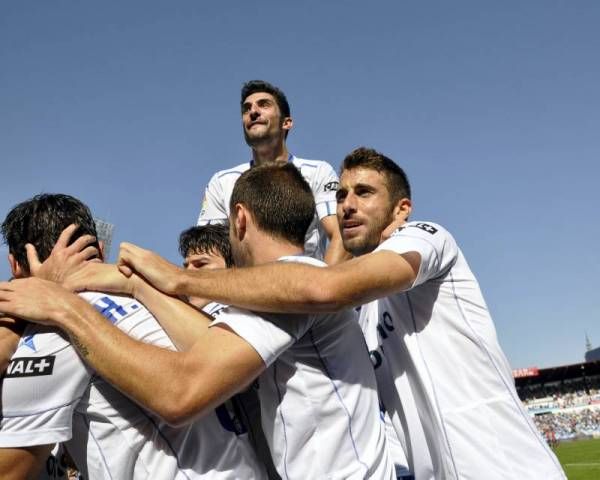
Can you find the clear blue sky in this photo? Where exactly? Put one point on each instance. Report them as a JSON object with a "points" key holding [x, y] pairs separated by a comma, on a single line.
{"points": [[493, 108]]}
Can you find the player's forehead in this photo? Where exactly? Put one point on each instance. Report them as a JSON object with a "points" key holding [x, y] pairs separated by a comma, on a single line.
{"points": [[259, 97], [352, 177], [203, 255]]}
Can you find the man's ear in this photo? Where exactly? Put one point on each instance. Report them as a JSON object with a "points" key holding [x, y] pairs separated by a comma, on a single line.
{"points": [[287, 124], [402, 210], [15, 268], [239, 221]]}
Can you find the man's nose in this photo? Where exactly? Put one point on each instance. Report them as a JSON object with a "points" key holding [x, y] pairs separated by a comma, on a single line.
{"points": [[254, 112], [349, 204]]}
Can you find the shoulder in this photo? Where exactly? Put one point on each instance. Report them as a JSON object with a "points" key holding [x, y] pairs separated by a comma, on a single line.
{"points": [[320, 175], [316, 165], [421, 236], [302, 259], [230, 173], [422, 228], [39, 340]]}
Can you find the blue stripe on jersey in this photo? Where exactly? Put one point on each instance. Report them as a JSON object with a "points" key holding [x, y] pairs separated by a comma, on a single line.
{"points": [[312, 340], [285, 443]]}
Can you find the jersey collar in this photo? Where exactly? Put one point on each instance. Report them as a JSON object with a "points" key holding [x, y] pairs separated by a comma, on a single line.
{"points": [[290, 159]]}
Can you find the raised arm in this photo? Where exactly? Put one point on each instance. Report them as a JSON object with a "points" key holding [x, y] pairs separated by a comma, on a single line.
{"points": [[178, 386], [280, 286]]}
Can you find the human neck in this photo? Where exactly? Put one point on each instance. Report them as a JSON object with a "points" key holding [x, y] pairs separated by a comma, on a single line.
{"points": [[277, 153], [269, 249]]}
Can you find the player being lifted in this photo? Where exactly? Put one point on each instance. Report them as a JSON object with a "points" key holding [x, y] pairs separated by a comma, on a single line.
{"points": [[266, 121], [320, 409], [437, 339]]}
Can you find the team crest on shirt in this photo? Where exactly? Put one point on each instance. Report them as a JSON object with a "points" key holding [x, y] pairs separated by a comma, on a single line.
{"points": [[30, 367], [27, 341], [204, 205], [331, 186]]}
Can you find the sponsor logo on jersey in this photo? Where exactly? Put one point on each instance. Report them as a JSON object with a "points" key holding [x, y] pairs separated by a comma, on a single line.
{"points": [[376, 357], [331, 186], [425, 227], [30, 367]]}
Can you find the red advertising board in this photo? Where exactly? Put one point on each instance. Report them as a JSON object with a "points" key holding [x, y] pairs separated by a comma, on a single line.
{"points": [[526, 372]]}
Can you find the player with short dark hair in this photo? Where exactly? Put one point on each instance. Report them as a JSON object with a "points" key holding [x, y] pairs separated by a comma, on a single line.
{"points": [[260, 86], [41, 220], [207, 240], [266, 121], [273, 207]]}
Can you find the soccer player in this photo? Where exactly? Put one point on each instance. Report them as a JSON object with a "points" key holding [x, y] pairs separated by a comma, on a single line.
{"points": [[50, 396], [317, 388], [205, 247], [208, 247], [437, 341], [266, 121]]}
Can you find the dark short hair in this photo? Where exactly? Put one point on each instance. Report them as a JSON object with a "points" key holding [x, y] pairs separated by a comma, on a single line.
{"points": [[396, 180], [254, 86], [40, 221], [207, 239], [278, 198]]}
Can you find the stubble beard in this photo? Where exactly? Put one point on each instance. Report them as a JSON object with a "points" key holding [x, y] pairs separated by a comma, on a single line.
{"points": [[358, 246]]}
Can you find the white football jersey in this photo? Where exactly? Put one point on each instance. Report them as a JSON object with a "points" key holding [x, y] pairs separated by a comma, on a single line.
{"points": [[319, 175], [441, 349], [318, 395], [410, 457], [49, 395]]}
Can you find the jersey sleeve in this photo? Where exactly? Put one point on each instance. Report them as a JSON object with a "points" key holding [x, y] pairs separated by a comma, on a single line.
{"points": [[435, 245], [40, 390], [327, 183], [269, 336], [213, 208]]}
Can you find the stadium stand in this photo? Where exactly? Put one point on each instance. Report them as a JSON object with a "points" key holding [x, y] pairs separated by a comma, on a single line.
{"points": [[564, 401]]}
